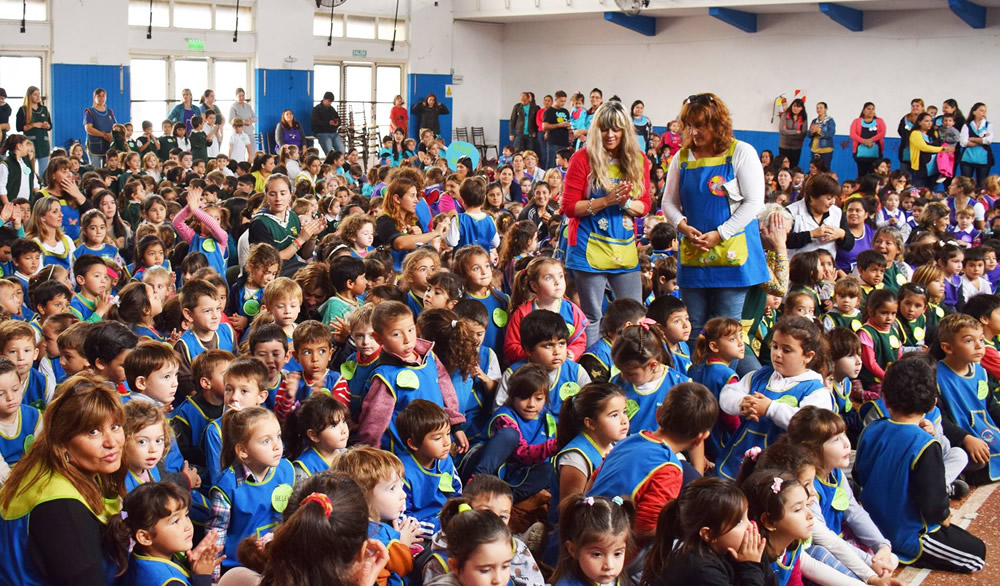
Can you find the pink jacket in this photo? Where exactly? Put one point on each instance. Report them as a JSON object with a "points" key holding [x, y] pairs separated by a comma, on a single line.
{"points": [[878, 138]]}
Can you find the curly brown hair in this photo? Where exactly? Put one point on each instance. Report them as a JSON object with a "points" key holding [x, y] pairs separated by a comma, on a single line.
{"points": [[454, 341], [707, 110]]}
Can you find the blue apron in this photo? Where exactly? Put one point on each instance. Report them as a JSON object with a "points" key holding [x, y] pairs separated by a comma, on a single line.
{"points": [[905, 142], [976, 155], [605, 241], [965, 399], [868, 131]]}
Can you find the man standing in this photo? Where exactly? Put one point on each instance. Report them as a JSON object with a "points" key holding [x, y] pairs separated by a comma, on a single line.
{"points": [[326, 124], [556, 126], [523, 124]]}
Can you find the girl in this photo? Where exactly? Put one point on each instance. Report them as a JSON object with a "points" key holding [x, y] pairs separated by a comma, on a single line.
{"points": [[149, 252], [801, 304], [640, 354], [881, 339], [597, 537], [542, 285], [778, 505], [251, 451], [520, 241], [889, 242], [207, 235], [823, 434], [138, 307], [359, 366], [845, 356], [805, 273], [472, 263], [151, 166], [45, 228], [705, 537], [180, 135], [154, 210], [912, 317], [890, 214], [289, 159], [418, 267], [310, 172], [94, 238], [131, 167], [146, 440], [358, 231], [931, 278], [17, 176], [718, 346], [764, 399], [151, 535], [479, 549], [316, 431], [132, 196], [444, 290]]}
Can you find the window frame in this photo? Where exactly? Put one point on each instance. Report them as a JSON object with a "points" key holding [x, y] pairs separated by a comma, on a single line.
{"points": [[340, 92], [46, 82], [213, 5], [378, 21], [27, 21]]}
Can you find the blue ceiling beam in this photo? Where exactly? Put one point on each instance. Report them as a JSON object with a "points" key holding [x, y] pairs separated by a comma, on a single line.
{"points": [[850, 18], [644, 25], [973, 14], [745, 21]]}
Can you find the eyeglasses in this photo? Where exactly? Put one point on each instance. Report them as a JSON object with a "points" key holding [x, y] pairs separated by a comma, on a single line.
{"points": [[700, 99]]}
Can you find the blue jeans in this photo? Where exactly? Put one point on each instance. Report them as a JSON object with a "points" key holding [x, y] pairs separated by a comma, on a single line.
{"points": [[827, 158], [523, 142], [705, 303], [329, 141], [496, 452], [550, 155], [591, 286], [43, 164]]}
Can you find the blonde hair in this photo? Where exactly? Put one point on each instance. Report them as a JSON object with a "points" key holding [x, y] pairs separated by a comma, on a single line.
{"points": [[36, 229], [611, 115], [238, 428], [281, 288], [925, 275], [415, 256], [368, 466]]}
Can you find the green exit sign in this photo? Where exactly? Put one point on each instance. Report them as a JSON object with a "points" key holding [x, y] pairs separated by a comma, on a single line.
{"points": [[196, 44], [359, 53]]}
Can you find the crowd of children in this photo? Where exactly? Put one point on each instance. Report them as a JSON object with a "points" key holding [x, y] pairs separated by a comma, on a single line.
{"points": [[455, 385]]}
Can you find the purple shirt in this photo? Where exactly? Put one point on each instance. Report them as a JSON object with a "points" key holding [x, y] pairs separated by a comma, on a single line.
{"points": [[846, 259]]}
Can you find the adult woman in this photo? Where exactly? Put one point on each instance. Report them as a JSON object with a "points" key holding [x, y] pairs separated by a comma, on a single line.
{"points": [[868, 139], [822, 129], [64, 490], [922, 161], [857, 213], [517, 164], [933, 220], [429, 110], [511, 189], [33, 119], [607, 185], [463, 168], [950, 106], [59, 184], [46, 228], [792, 131], [208, 103], [816, 222], [977, 135], [263, 166], [398, 118], [715, 189], [17, 178], [288, 130], [784, 193], [277, 225], [766, 157], [397, 227], [906, 125], [244, 111], [643, 127], [961, 194], [184, 111]]}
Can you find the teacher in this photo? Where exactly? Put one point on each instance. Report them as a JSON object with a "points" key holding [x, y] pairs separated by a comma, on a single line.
{"points": [[277, 225], [715, 189], [34, 121], [607, 185], [398, 227], [98, 121], [59, 497], [868, 139], [816, 222]]}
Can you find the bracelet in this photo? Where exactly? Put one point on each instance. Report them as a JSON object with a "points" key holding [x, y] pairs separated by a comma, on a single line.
{"points": [[297, 243], [590, 207]]}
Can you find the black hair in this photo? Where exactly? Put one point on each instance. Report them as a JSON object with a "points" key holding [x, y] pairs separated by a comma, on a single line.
{"points": [[23, 246], [876, 299], [467, 531], [344, 269], [688, 410], [663, 307], [974, 253], [910, 385], [474, 311], [526, 381], [909, 289], [7, 234], [46, 291], [620, 312], [106, 340], [662, 236], [981, 306], [870, 257], [450, 282], [388, 293], [315, 414], [542, 326], [587, 404], [270, 332]]}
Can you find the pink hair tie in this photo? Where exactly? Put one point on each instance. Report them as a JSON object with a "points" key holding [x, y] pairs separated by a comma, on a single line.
{"points": [[776, 485], [752, 453]]}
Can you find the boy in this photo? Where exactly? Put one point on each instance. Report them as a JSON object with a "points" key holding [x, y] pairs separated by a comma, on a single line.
{"points": [[200, 306], [430, 478], [148, 143], [312, 349], [672, 315], [973, 281], [213, 135], [871, 271], [966, 233], [53, 326], [663, 238], [990, 260], [48, 298], [645, 466], [151, 372], [106, 347], [347, 275], [846, 298], [8, 236], [92, 302], [596, 361], [186, 159], [19, 422], [17, 341], [244, 382], [406, 370], [269, 344], [951, 260], [26, 256], [194, 415], [283, 300], [896, 456], [239, 143], [506, 157], [544, 338], [247, 292], [380, 476], [72, 357], [986, 310]]}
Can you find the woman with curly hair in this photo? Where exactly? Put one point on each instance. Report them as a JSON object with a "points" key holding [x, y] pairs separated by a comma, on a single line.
{"points": [[397, 227]]}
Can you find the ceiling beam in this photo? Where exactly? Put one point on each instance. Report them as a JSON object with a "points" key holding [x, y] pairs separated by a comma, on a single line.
{"points": [[850, 18], [973, 14], [745, 21], [644, 25]]}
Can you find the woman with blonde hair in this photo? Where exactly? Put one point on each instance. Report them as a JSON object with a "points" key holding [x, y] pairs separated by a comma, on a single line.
{"points": [[34, 121], [606, 186]]}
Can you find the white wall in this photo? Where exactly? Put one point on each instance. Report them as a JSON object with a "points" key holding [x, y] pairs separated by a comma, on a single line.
{"points": [[478, 59], [74, 41], [431, 32], [901, 55]]}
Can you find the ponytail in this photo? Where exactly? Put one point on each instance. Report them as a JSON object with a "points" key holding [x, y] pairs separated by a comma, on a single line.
{"points": [[523, 279], [668, 531], [454, 340], [587, 404], [641, 343], [716, 329]]}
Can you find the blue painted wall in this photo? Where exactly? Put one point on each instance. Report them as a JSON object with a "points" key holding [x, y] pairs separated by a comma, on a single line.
{"points": [[278, 90], [75, 85], [421, 84]]}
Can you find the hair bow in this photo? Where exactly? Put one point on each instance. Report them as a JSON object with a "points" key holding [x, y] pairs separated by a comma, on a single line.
{"points": [[645, 322], [454, 322], [618, 501], [322, 500], [589, 501], [264, 540], [464, 508], [776, 485], [752, 453]]}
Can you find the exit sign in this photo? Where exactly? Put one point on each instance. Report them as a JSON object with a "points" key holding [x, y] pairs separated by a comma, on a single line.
{"points": [[359, 53], [195, 44]]}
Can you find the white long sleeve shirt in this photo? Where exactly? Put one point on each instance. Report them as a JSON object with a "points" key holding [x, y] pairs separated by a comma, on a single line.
{"points": [[780, 413]]}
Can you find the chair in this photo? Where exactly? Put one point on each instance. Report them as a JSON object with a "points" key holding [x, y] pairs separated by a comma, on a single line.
{"points": [[479, 141], [462, 134]]}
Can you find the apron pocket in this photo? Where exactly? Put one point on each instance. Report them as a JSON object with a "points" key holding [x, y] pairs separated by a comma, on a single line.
{"points": [[605, 253], [729, 253]]}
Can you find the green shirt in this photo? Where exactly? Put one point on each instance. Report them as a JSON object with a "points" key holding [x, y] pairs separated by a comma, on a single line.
{"points": [[199, 146], [40, 136], [282, 232]]}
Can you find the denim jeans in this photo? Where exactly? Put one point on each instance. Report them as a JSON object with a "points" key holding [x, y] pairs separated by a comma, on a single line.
{"points": [[705, 303], [591, 286], [329, 141], [495, 453], [43, 163], [550, 155], [523, 142]]}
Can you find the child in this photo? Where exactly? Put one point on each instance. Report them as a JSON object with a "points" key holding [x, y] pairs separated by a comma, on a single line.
{"points": [[107, 345], [395, 330], [92, 302], [269, 344], [645, 466], [951, 259], [244, 387], [777, 503], [357, 369], [881, 339], [473, 264], [154, 534], [26, 256], [974, 281], [146, 440], [430, 478], [479, 551], [912, 317], [544, 339], [253, 491], [198, 139], [597, 533], [239, 143], [138, 307], [729, 552], [313, 351], [17, 340], [845, 314], [801, 304], [149, 253], [72, 357], [347, 275], [805, 274], [889, 213], [94, 237], [845, 356], [48, 298], [200, 305], [247, 293], [767, 399], [209, 238], [965, 232], [986, 310], [52, 327], [418, 267], [897, 456], [473, 226], [19, 422], [12, 301], [871, 267], [720, 345], [380, 476], [596, 361], [358, 231], [542, 286], [671, 315], [315, 432], [444, 291]]}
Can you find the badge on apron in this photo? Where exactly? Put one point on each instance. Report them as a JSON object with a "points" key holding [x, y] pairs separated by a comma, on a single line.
{"points": [[919, 334], [893, 341], [982, 390], [251, 307], [499, 317], [348, 369], [208, 246], [568, 390], [407, 379], [445, 483], [631, 408], [280, 496]]}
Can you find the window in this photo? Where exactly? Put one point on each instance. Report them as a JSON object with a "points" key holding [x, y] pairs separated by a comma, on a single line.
{"points": [[385, 30], [321, 25], [388, 85], [32, 10], [149, 92], [229, 75], [225, 18], [197, 16], [326, 78], [358, 85], [360, 27], [18, 73], [138, 13]]}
